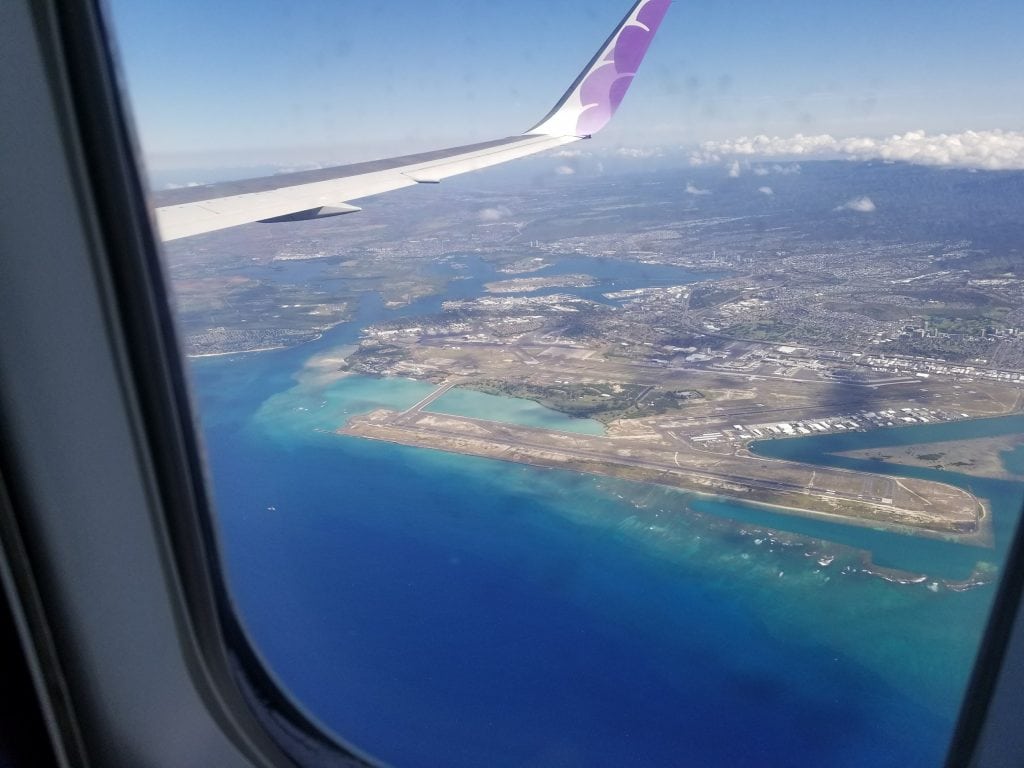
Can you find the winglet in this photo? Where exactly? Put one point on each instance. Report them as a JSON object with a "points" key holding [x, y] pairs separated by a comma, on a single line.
{"points": [[592, 99]]}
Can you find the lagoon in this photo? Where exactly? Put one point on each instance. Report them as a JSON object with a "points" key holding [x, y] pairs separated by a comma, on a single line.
{"points": [[513, 410]]}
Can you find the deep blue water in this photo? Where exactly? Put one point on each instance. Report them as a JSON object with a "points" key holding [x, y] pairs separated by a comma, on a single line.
{"points": [[441, 610]]}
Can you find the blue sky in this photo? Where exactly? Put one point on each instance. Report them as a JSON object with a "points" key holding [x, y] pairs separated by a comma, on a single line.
{"points": [[293, 81]]}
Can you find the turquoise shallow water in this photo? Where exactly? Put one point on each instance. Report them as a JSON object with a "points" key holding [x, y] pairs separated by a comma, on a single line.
{"points": [[479, 405], [1013, 460], [446, 610]]}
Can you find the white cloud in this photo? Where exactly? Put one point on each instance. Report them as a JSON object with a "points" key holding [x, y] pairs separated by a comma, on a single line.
{"points": [[311, 166], [783, 170], [494, 214], [693, 189], [766, 190], [172, 185], [734, 169], [565, 170], [860, 204], [637, 153], [985, 150], [570, 153]]}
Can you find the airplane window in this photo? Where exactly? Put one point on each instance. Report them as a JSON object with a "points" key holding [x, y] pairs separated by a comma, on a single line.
{"points": [[683, 427]]}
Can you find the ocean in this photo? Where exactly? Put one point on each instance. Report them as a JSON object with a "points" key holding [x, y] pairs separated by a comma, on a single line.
{"points": [[441, 610]]}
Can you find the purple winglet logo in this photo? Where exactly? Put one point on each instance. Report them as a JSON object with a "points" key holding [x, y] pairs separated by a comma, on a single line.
{"points": [[589, 106], [603, 88]]}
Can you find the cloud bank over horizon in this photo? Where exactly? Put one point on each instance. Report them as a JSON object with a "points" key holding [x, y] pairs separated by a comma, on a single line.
{"points": [[994, 150]]}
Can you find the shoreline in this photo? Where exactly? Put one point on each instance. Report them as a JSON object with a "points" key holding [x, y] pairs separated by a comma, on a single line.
{"points": [[979, 576], [686, 481]]}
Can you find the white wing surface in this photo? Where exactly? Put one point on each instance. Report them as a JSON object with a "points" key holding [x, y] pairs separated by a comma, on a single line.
{"points": [[585, 108]]}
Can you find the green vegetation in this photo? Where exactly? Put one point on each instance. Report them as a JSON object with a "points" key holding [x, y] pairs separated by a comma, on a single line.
{"points": [[711, 296], [876, 310], [768, 330]]}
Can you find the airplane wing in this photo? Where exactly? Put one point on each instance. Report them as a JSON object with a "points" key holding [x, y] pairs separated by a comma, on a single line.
{"points": [[583, 110]]}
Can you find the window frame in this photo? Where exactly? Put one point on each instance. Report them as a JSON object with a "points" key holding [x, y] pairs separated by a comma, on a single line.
{"points": [[109, 549], [156, 669]]}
